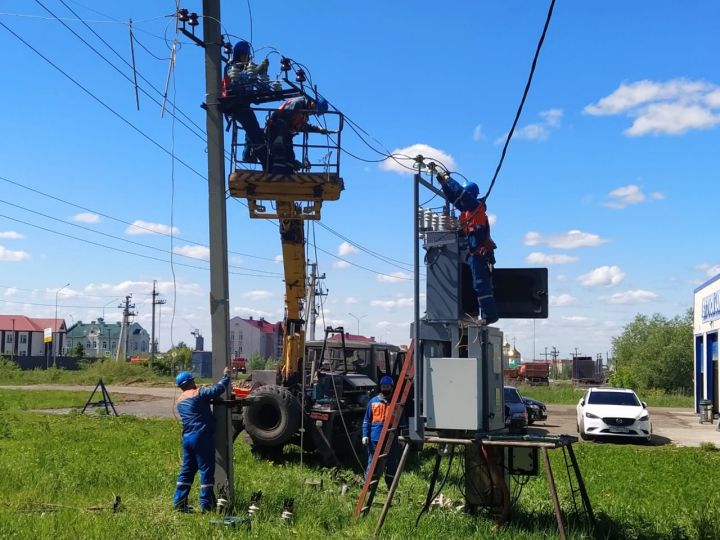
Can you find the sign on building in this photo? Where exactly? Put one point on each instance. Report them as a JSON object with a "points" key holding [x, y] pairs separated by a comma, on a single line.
{"points": [[47, 338], [711, 307]]}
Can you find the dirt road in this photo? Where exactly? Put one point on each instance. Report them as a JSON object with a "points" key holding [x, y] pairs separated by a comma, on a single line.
{"points": [[670, 425]]}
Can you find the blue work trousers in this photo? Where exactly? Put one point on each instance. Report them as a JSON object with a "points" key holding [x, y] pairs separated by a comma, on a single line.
{"points": [[391, 461], [198, 455], [482, 283]]}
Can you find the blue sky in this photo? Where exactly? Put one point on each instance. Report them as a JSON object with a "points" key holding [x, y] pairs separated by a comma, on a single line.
{"points": [[610, 181]]}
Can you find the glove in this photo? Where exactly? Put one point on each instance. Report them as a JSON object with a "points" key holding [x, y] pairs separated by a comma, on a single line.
{"points": [[226, 371], [366, 441], [323, 131]]}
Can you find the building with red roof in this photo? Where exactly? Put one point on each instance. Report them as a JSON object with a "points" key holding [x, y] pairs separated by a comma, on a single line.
{"points": [[250, 336], [21, 335]]}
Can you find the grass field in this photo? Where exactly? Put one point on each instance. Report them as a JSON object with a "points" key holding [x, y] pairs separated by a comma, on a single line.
{"points": [[54, 469], [566, 394]]}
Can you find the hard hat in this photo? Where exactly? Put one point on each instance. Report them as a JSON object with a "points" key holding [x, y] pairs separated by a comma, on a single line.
{"points": [[321, 105], [471, 189], [386, 381], [183, 378], [241, 47]]}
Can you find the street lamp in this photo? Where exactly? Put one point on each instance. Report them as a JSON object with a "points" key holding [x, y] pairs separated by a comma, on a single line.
{"points": [[358, 320], [53, 344]]}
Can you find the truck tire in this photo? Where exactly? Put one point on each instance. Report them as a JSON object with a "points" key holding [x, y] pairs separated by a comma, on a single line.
{"points": [[272, 417]]}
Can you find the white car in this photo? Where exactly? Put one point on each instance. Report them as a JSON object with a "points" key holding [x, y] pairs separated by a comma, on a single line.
{"points": [[615, 412]]}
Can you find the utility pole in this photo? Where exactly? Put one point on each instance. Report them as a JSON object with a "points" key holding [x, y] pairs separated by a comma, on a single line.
{"points": [[127, 313], [219, 286], [314, 290], [555, 353], [153, 348]]}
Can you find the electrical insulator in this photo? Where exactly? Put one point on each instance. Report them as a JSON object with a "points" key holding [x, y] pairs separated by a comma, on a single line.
{"points": [[277, 86], [193, 19], [444, 222], [183, 15], [420, 212], [427, 221], [227, 48], [284, 64], [436, 222], [300, 76]]}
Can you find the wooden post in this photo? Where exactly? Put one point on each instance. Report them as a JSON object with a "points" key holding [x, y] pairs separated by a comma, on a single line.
{"points": [[553, 494]]}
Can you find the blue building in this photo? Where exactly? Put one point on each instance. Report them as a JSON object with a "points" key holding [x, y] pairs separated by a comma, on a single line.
{"points": [[705, 328]]}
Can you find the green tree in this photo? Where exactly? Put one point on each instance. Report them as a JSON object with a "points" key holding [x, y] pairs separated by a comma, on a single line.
{"points": [[255, 362], [78, 351], [655, 352]]}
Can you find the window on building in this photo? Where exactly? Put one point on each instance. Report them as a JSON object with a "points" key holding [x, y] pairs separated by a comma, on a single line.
{"points": [[112, 345], [94, 344], [8, 338], [89, 345], [23, 339], [143, 346], [23, 353], [232, 337], [104, 344], [135, 346]]}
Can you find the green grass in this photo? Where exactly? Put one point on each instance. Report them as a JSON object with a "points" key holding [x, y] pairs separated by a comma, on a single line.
{"points": [[53, 469], [567, 394], [21, 400]]}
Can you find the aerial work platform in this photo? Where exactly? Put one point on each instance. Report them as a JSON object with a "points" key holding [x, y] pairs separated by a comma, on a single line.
{"points": [[309, 188]]}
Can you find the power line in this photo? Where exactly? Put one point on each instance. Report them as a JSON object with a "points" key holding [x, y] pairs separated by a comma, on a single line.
{"points": [[119, 250], [140, 244], [74, 292], [125, 222], [522, 101], [101, 102]]}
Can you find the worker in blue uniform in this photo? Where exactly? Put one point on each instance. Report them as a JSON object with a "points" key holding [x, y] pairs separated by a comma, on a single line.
{"points": [[481, 248], [377, 413], [240, 82], [286, 122], [198, 442]]}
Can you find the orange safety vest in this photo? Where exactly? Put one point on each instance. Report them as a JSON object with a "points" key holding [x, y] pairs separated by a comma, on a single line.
{"points": [[472, 220]]}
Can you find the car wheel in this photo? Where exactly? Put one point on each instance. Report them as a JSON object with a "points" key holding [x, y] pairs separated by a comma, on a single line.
{"points": [[581, 430]]}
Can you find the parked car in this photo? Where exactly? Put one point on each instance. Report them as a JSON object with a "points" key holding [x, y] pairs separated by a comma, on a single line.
{"points": [[516, 417], [536, 410], [615, 412]]}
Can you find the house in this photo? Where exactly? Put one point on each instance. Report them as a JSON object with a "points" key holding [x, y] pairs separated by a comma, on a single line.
{"points": [[249, 336], [24, 336], [100, 339], [352, 337]]}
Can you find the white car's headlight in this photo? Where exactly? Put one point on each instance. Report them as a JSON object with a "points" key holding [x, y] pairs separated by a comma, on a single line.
{"points": [[644, 418], [591, 415]]}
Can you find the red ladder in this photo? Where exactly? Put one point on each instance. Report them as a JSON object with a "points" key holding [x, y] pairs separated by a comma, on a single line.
{"points": [[387, 436]]}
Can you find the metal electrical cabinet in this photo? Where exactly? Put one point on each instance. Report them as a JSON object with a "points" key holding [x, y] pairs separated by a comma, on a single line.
{"points": [[466, 393]]}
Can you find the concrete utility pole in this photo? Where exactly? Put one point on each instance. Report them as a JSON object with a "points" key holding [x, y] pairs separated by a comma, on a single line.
{"points": [[314, 290], [219, 286], [127, 313], [153, 348]]}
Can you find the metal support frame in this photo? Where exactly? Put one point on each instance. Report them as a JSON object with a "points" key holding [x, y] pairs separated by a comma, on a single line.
{"points": [[416, 425]]}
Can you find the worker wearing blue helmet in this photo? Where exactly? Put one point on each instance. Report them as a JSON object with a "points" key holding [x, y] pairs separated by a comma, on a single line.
{"points": [[286, 122], [481, 248], [377, 413], [198, 443]]}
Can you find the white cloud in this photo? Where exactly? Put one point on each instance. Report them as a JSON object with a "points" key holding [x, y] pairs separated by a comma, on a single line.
{"points": [[340, 264], [351, 300], [66, 292], [569, 240], [631, 297], [140, 287], [478, 134], [139, 227], [346, 249], [404, 158], [537, 131], [193, 251], [259, 294], [11, 235], [543, 258], [86, 217], [604, 276], [710, 270], [11, 291], [552, 117], [395, 277], [245, 312], [392, 304], [625, 196], [9, 255], [657, 196], [492, 218], [562, 300], [671, 108], [278, 259]]}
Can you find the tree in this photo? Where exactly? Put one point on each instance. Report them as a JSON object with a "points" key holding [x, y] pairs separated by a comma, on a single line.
{"points": [[78, 351], [655, 352]]}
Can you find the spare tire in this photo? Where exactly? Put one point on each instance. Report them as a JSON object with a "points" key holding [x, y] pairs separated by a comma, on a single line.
{"points": [[272, 417]]}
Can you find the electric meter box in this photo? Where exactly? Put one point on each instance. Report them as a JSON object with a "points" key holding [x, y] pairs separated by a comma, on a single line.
{"points": [[466, 394]]}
